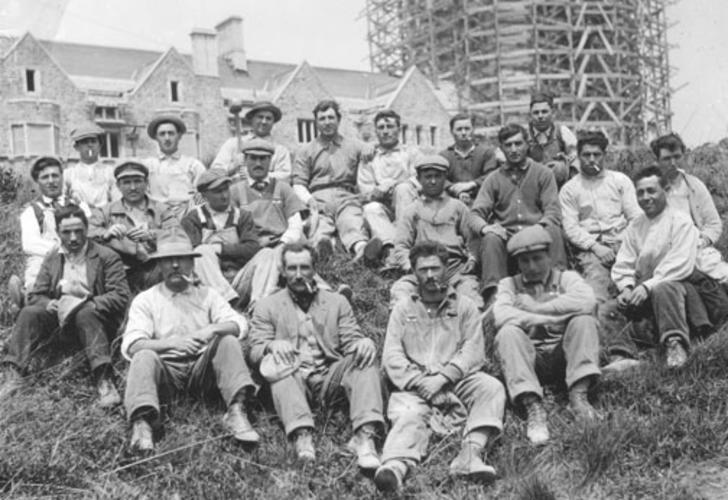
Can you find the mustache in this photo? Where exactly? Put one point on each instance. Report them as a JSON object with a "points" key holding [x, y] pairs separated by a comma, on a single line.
{"points": [[305, 282]]}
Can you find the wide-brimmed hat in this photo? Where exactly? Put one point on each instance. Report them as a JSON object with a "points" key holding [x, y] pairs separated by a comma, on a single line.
{"points": [[131, 168], [174, 243], [273, 371], [265, 106], [68, 306], [158, 120], [529, 239], [436, 162], [259, 147], [211, 179], [86, 131]]}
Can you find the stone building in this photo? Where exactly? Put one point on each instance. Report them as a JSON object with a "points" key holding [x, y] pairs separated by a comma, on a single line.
{"points": [[48, 88]]}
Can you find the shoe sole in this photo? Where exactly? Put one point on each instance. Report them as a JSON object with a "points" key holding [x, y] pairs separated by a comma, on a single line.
{"points": [[386, 481], [484, 476]]}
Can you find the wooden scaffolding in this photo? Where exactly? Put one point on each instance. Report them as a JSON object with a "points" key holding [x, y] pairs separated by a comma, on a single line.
{"points": [[606, 61]]}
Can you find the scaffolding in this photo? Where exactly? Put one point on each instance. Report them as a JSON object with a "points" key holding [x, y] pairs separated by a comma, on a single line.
{"points": [[606, 61]]}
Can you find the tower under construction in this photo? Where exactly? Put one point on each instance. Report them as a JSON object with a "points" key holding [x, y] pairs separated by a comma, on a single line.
{"points": [[605, 61]]}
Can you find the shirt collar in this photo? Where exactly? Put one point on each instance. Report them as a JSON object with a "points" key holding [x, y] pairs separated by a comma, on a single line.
{"points": [[336, 140], [62, 250], [252, 182], [460, 154], [174, 156], [508, 168], [546, 280], [61, 200], [546, 134], [448, 301]]}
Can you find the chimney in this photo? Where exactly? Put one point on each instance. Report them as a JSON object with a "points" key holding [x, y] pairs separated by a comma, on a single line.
{"points": [[230, 43], [204, 51]]}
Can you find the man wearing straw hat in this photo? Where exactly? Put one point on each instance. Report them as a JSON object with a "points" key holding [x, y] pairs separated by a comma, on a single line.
{"points": [[172, 175], [183, 336], [262, 116], [81, 292], [90, 181]]}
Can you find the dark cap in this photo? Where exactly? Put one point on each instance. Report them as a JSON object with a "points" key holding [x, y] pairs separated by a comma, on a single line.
{"points": [[258, 146], [44, 162], [211, 179], [86, 131], [131, 168], [158, 120], [264, 106], [436, 162], [529, 239]]}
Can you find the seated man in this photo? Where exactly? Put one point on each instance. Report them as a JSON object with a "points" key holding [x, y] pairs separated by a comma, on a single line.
{"points": [[324, 178], [172, 175], [689, 195], [444, 379], [386, 184], [519, 194], [183, 336], [90, 181], [657, 257], [81, 292], [224, 235], [130, 225], [436, 217], [596, 206], [38, 224], [545, 324], [306, 341], [262, 116], [469, 162]]}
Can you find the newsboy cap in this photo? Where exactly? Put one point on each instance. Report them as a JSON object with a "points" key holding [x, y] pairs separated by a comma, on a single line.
{"points": [[86, 131], [264, 106], [529, 239], [159, 120], [258, 146], [131, 168], [436, 162], [211, 179], [44, 162]]}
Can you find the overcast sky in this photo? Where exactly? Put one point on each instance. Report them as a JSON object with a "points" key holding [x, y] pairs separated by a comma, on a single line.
{"points": [[333, 33]]}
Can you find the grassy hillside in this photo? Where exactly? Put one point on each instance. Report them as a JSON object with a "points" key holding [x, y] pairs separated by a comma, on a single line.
{"points": [[665, 434]]}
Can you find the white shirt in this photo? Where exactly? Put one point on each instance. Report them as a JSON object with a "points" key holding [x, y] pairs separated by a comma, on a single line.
{"points": [[173, 179], [280, 162], [92, 184]]}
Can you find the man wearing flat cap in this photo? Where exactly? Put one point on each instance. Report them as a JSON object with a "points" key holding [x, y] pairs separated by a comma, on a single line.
{"points": [[90, 181], [546, 331], [172, 175], [38, 224], [80, 295], [436, 217], [223, 234], [130, 225], [262, 116], [183, 336]]}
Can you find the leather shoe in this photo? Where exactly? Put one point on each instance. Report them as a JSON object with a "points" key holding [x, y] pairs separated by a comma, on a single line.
{"points": [[236, 422], [108, 395], [141, 436]]}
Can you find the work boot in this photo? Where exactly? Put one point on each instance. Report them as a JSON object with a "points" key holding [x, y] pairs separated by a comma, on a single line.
{"points": [[469, 465], [141, 436], [675, 353], [236, 421], [619, 364], [579, 402], [362, 445], [389, 476], [108, 395], [324, 249], [10, 382], [303, 442], [536, 428]]}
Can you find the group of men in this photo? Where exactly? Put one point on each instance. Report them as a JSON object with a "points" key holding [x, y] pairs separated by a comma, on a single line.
{"points": [[223, 263]]}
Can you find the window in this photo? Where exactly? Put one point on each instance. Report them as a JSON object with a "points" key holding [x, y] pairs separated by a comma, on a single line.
{"points": [[418, 134], [174, 91], [31, 81], [306, 131], [404, 134], [106, 113], [34, 139], [433, 135], [110, 145]]}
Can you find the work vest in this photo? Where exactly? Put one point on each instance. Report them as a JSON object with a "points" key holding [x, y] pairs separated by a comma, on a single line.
{"points": [[547, 152]]}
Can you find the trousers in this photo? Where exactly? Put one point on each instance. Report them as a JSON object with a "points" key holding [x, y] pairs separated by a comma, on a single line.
{"points": [[523, 364], [378, 216], [207, 268], [482, 395], [341, 212], [361, 386], [35, 324], [220, 366]]}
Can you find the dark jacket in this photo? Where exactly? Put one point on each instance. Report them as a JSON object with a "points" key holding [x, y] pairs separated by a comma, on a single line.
{"points": [[106, 277]]}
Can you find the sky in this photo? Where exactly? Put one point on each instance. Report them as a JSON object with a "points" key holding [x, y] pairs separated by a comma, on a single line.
{"points": [[333, 33]]}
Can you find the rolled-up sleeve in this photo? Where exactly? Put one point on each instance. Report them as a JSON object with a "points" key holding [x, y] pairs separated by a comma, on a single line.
{"points": [[222, 312], [140, 323]]}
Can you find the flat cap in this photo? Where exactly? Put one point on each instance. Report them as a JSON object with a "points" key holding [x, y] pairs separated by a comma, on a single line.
{"points": [[211, 179], [529, 239], [432, 161], [258, 146], [265, 106], [87, 131], [44, 162], [131, 168], [158, 120]]}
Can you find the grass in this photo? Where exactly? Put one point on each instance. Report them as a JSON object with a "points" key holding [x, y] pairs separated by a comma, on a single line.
{"points": [[665, 435]]}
